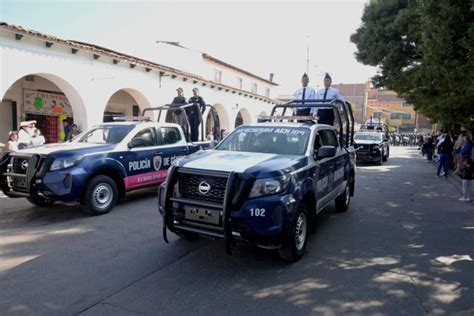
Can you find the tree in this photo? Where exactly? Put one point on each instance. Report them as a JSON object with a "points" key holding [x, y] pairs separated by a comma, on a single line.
{"points": [[423, 50]]}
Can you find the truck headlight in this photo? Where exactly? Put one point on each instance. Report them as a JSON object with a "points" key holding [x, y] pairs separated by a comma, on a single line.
{"points": [[63, 163], [269, 186], [376, 147]]}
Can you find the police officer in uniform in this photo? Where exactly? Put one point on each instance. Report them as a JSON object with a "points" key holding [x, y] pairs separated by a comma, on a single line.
{"points": [[326, 116], [304, 93], [178, 115], [194, 113]]}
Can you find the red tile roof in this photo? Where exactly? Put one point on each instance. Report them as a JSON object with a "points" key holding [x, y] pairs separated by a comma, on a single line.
{"points": [[124, 57]]}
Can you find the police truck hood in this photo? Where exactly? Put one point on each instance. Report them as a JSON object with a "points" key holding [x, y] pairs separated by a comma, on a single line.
{"points": [[68, 149], [260, 165]]}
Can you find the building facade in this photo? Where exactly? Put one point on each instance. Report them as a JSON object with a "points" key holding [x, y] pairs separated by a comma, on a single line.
{"points": [[51, 79], [399, 115]]}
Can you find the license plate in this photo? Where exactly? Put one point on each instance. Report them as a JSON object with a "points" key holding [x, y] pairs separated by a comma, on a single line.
{"points": [[19, 182], [202, 215]]}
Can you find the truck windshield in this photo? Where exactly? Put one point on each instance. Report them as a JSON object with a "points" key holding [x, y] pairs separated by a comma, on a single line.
{"points": [[274, 140], [372, 136], [106, 134]]}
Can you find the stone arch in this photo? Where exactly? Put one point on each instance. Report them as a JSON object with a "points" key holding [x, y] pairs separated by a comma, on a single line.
{"points": [[242, 117], [127, 102], [54, 97], [222, 116]]}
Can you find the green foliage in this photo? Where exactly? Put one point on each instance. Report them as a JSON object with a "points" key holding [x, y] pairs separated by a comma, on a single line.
{"points": [[424, 51]]}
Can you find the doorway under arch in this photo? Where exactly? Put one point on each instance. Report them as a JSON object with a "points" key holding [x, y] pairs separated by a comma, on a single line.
{"points": [[45, 98]]}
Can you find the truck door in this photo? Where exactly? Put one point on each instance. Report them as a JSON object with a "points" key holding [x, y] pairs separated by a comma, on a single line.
{"points": [[172, 145], [324, 172], [332, 165], [148, 162]]}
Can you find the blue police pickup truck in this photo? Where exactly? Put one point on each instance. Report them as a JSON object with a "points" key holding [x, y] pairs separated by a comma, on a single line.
{"points": [[263, 183], [98, 167]]}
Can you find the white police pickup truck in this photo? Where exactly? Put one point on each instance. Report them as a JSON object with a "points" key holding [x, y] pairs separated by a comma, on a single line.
{"points": [[98, 166], [264, 183]]}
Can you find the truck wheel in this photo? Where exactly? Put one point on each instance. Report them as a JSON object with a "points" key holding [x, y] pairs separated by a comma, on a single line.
{"points": [[39, 201], [344, 199], [380, 161], [385, 158], [101, 195], [296, 239]]}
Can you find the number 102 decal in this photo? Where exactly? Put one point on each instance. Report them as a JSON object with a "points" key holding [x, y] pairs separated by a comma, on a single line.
{"points": [[258, 212]]}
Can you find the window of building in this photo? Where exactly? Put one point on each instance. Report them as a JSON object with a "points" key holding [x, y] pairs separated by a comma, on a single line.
{"points": [[239, 82], [377, 115], [254, 87], [217, 75], [406, 104], [406, 116], [395, 116], [267, 92]]}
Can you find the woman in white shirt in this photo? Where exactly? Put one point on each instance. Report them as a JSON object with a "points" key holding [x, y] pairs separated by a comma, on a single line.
{"points": [[37, 139]]}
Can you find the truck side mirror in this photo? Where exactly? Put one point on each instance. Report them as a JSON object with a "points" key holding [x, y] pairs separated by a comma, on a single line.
{"points": [[136, 142], [326, 152]]}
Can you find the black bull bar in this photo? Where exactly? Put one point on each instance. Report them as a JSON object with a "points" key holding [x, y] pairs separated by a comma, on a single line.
{"points": [[33, 167], [229, 200]]}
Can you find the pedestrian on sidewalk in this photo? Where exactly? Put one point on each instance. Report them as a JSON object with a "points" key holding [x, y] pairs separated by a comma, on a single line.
{"points": [[428, 148], [466, 175], [445, 148]]}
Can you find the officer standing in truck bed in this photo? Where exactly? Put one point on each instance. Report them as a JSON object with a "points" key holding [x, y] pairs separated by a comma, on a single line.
{"points": [[194, 113]]}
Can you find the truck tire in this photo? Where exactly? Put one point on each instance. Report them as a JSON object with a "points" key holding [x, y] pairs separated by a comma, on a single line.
{"points": [[101, 195], [39, 201], [385, 158], [295, 241], [380, 161], [344, 199]]}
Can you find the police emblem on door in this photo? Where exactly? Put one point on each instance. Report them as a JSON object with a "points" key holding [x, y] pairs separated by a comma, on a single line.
{"points": [[157, 161]]}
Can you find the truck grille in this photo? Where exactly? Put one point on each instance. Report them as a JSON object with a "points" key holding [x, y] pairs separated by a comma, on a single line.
{"points": [[19, 163], [189, 187], [365, 147]]}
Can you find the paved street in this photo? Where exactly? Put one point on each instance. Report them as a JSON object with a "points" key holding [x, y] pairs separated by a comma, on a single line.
{"points": [[406, 246]]}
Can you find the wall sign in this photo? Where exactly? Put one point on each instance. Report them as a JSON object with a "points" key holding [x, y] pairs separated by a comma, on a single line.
{"points": [[44, 103]]}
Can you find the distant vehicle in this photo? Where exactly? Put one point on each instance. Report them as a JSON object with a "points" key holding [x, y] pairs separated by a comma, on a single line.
{"points": [[98, 166], [264, 183], [372, 147]]}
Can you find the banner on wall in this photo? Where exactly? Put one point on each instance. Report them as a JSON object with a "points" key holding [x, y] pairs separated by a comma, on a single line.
{"points": [[43, 103]]}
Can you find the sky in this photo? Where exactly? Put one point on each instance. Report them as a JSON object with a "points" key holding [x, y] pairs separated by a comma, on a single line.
{"points": [[262, 37]]}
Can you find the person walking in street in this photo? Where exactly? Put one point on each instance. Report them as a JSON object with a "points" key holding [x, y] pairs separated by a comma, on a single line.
{"points": [[326, 116], [12, 144], [179, 117], [445, 148], [304, 93], [194, 114]]}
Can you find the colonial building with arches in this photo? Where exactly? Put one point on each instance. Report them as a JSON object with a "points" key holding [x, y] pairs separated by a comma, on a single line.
{"points": [[51, 79]]}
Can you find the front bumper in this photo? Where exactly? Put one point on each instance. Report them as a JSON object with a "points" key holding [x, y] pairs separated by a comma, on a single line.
{"points": [[259, 220], [373, 155], [63, 185]]}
